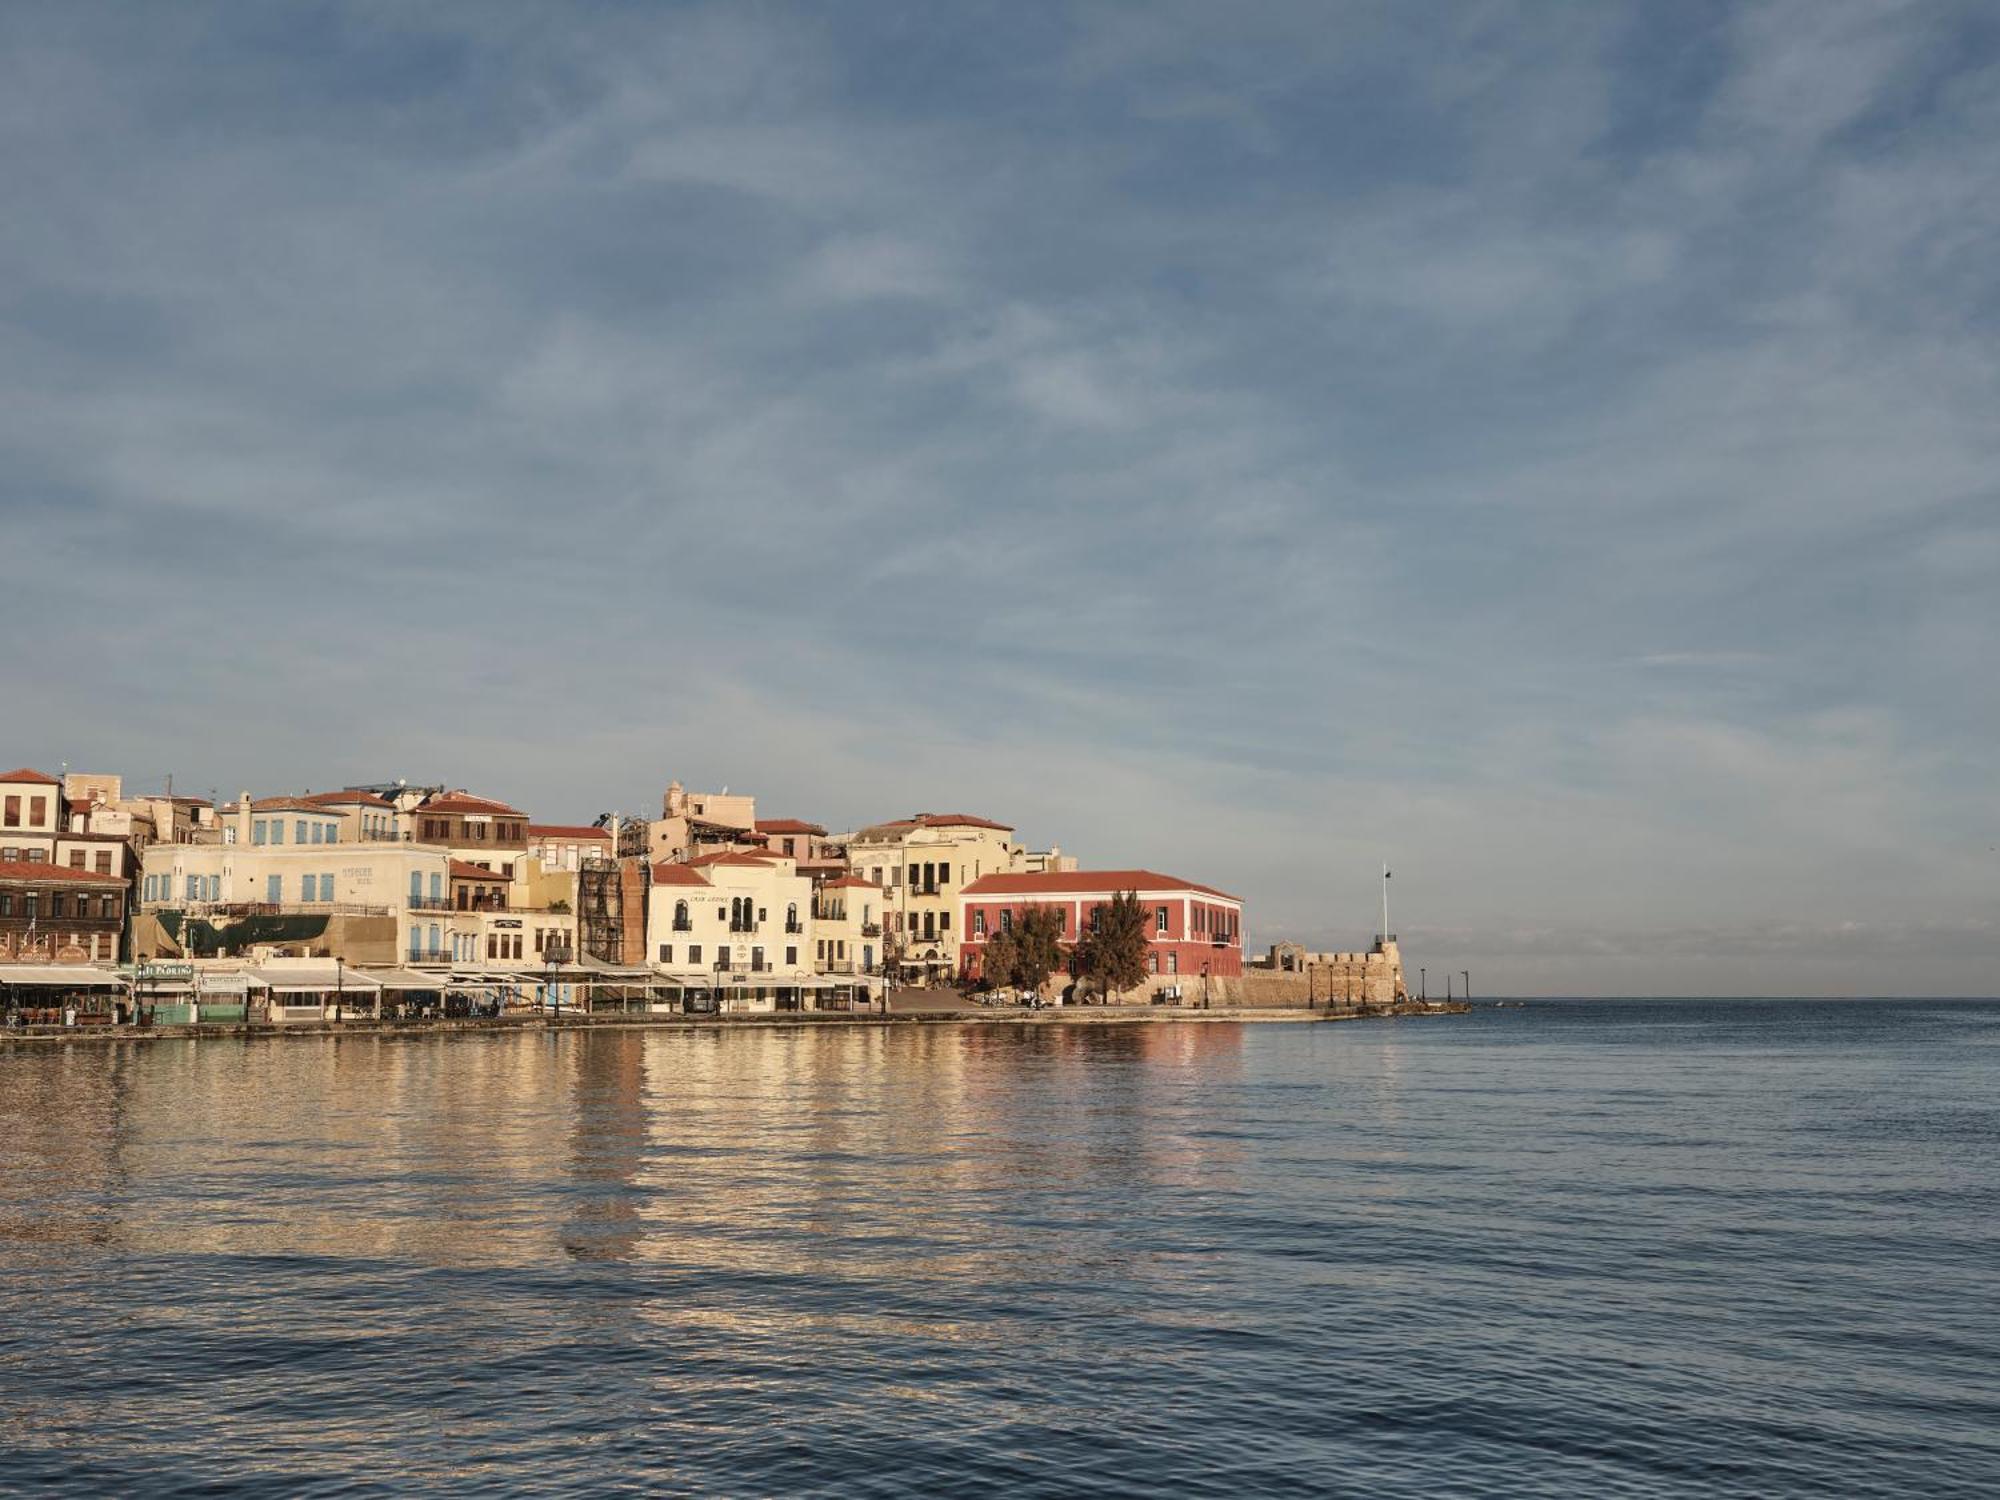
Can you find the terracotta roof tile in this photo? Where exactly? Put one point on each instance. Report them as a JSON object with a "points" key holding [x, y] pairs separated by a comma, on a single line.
{"points": [[465, 802], [959, 820], [1086, 883], [789, 825], [22, 869], [664, 874], [465, 870], [25, 774], [567, 831], [351, 798]]}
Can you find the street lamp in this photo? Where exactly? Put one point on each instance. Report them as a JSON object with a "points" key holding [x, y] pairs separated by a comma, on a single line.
{"points": [[556, 955]]}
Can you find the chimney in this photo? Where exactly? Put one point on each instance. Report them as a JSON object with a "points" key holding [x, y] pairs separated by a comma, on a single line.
{"points": [[243, 819]]}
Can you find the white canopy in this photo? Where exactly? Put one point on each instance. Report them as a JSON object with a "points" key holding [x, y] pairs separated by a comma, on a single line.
{"points": [[231, 982], [303, 980], [74, 976], [410, 979]]}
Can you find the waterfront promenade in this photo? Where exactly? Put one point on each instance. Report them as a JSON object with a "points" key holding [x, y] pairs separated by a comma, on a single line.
{"points": [[906, 1008]]}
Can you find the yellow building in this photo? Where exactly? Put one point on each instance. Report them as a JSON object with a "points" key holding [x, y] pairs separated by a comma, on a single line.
{"points": [[739, 924], [920, 865]]}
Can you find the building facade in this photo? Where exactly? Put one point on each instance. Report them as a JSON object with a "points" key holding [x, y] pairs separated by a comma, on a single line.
{"points": [[1192, 931], [921, 865], [54, 914]]}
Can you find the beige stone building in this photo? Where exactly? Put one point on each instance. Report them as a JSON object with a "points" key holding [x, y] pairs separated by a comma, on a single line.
{"points": [[695, 823], [309, 892], [920, 864], [847, 928], [738, 923]]}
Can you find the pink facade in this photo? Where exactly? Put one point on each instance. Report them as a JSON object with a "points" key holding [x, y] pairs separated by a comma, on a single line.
{"points": [[1191, 929]]}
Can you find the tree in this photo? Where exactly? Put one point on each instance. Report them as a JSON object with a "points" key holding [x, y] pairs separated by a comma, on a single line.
{"points": [[1023, 953], [1112, 955]]}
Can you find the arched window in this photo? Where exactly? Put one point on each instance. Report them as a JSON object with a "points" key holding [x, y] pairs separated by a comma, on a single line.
{"points": [[792, 917], [681, 923]]}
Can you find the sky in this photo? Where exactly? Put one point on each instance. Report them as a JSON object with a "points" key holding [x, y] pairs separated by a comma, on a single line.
{"points": [[1548, 448]]}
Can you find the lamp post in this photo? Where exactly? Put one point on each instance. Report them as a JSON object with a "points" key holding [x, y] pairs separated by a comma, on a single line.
{"points": [[555, 955], [339, 987]]}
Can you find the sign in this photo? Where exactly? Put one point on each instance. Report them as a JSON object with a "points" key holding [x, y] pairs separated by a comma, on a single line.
{"points": [[165, 971]]}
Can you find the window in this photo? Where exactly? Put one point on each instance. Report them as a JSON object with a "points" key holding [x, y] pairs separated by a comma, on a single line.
{"points": [[274, 890], [434, 937], [681, 922], [6, 903], [791, 958], [110, 908], [694, 953], [756, 958], [257, 832], [416, 886], [1173, 963], [1160, 920], [76, 859], [492, 945], [309, 887], [1152, 963], [38, 811], [437, 885], [55, 903], [277, 830], [1007, 921], [192, 889], [13, 818], [979, 923], [102, 862], [666, 953], [31, 905]]}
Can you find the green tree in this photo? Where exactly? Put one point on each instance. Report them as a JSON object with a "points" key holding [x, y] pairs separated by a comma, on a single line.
{"points": [[1025, 951], [1112, 955]]}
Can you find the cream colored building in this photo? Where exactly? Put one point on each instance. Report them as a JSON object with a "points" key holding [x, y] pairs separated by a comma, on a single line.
{"points": [[847, 928], [737, 923], [920, 865], [323, 876], [694, 823]]}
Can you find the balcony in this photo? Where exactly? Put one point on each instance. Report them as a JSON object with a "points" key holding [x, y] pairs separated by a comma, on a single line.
{"points": [[871, 929], [430, 903], [795, 927], [683, 927]]}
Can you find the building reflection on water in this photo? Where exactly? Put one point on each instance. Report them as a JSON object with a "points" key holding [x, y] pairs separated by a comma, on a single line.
{"points": [[754, 1151]]}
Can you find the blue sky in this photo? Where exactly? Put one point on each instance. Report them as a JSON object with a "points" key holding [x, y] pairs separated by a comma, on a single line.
{"points": [[1552, 448]]}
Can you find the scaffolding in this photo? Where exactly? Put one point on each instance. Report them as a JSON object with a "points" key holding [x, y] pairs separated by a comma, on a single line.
{"points": [[600, 910]]}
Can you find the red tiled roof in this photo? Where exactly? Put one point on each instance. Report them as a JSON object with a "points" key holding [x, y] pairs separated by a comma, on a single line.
{"points": [[664, 874], [24, 774], [733, 857], [22, 869], [788, 825], [566, 831], [1086, 883], [286, 804], [465, 870], [958, 820], [465, 802], [848, 882], [353, 798]]}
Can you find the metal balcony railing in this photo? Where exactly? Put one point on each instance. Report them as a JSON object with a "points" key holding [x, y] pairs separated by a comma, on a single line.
{"points": [[430, 903]]}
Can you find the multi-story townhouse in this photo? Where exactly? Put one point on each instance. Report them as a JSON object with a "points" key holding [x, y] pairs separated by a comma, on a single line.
{"points": [[477, 830], [286, 871], [1193, 931], [921, 864], [365, 817], [737, 923], [54, 914], [565, 846], [847, 927]]}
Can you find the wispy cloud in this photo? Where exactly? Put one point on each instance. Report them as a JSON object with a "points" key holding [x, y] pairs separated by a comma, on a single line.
{"points": [[1552, 449]]}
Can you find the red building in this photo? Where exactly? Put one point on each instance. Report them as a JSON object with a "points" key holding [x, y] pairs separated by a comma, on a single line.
{"points": [[1192, 929]]}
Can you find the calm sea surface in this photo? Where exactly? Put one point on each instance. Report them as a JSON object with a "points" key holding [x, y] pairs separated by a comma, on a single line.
{"points": [[1578, 1248]]}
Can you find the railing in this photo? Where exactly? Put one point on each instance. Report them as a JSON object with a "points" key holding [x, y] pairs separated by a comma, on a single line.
{"points": [[683, 927], [871, 929], [795, 927], [430, 903]]}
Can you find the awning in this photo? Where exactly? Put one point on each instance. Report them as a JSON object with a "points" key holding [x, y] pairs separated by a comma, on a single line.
{"points": [[304, 981], [231, 983], [410, 979], [70, 976]]}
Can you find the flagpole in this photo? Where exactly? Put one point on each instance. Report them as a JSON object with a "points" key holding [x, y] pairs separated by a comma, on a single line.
{"points": [[1385, 902]]}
